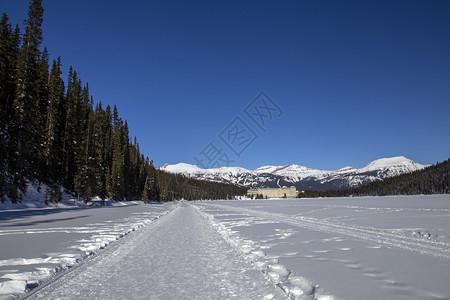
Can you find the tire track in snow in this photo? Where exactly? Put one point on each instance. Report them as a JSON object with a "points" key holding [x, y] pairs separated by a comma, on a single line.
{"points": [[371, 234]]}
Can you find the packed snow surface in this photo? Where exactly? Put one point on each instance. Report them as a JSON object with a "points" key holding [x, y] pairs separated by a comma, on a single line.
{"points": [[332, 248], [180, 257], [36, 243]]}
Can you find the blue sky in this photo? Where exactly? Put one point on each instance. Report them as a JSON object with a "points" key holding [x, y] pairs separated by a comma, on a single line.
{"points": [[355, 80]]}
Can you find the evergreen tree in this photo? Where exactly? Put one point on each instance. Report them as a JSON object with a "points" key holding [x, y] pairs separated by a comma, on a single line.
{"points": [[101, 127], [154, 191], [133, 178], [23, 135], [116, 186], [54, 133], [87, 178], [9, 48], [107, 159], [127, 168], [74, 122], [43, 99]]}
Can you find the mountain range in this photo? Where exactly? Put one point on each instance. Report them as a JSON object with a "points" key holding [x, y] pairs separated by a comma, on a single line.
{"points": [[303, 178]]}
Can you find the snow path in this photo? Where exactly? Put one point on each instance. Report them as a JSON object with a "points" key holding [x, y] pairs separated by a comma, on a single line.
{"points": [[179, 256]]}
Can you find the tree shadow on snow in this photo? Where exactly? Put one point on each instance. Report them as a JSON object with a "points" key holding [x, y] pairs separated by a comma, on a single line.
{"points": [[44, 221]]}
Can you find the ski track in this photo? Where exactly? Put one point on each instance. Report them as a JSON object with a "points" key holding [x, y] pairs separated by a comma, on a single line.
{"points": [[180, 256], [384, 237]]}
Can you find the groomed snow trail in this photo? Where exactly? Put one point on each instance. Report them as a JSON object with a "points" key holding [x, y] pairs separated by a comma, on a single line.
{"points": [[180, 256]]}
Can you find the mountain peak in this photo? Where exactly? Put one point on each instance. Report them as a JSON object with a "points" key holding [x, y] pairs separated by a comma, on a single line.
{"points": [[300, 176], [180, 168], [390, 162]]}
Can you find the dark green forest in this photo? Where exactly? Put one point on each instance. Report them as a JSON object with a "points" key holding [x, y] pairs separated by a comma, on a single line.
{"points": [[53, 133], [431, 180]]}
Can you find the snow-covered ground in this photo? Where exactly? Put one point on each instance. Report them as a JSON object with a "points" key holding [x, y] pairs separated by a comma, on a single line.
{"points": [[353, 248], [180, 256], [36, 243], [335, 248]]}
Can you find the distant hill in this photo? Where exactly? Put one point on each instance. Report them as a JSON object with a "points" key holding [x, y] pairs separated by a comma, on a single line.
{"points": [[434, 179]]}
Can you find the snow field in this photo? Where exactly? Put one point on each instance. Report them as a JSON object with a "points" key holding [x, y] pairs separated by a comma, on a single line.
{"points": [[180, 256], [355, 248], [295, 287], [33, 252]]}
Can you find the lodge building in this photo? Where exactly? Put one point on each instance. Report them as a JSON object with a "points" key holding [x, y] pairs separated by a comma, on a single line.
{"points": [[283, 192]]}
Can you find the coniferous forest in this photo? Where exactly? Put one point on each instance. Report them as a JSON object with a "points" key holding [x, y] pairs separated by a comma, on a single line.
{"points": [[434, 179], [52, 132]]}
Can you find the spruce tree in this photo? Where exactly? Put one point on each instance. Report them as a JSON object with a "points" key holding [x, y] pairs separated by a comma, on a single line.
{"points": [[100, 133], [74, 120], [154, 191], [87, 178], [23, 135], [9, 48], [127, 168], [116, 183], [54, 133], [43, 99]]}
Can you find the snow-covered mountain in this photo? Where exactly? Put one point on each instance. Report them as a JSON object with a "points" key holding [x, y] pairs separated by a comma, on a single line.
{"points": [[299, 176]]}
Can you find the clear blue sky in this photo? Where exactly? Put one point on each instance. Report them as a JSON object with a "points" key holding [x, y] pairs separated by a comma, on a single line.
{"points": [[355, 80]]}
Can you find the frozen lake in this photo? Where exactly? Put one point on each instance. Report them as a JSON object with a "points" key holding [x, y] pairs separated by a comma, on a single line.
{"points": [[37, 242], [345, 248], [354, 248]]}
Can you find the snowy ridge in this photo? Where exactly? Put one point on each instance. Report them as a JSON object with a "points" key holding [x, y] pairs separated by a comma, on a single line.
{"points": [[300, 176]]}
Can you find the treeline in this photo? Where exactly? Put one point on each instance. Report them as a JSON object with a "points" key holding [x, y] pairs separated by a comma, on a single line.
{"points": [[176, 186], [434, 179], [52, 132]]}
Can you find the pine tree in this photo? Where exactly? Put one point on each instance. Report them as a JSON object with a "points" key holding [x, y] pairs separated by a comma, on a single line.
{"points": [[74, 121], [127, 168], [100, 148], [133, 181], [116, 186], [154, 191], [54, 133], [88, 173], [23, 135], [9, 48], [43, 99]]}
